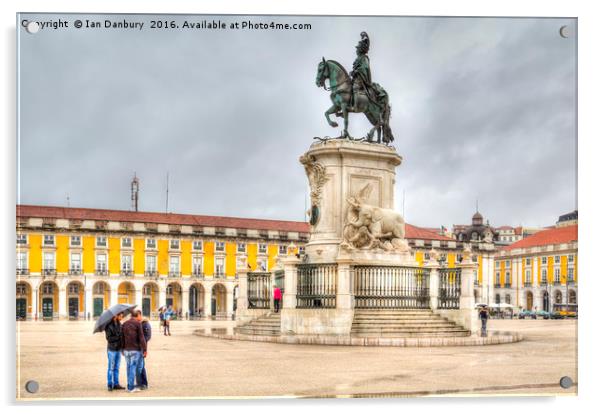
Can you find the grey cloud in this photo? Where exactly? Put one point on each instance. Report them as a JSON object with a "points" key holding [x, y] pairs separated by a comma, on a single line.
{"points": [[482, 108]]}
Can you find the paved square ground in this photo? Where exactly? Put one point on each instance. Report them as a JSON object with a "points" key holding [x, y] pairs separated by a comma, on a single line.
{"points": [[69, 362]]}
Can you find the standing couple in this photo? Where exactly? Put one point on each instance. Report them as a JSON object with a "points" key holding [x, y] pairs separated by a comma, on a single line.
{"points": [[129, 340]]}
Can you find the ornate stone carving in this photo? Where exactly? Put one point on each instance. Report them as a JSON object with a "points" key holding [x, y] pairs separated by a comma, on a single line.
{"points": [[316, 175], [372, 227]]}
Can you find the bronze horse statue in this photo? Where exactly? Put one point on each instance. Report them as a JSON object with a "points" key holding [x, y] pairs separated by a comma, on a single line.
{"points": [[378, 111]]}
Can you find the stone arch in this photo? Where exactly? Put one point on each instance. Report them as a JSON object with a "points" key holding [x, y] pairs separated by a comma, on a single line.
{"points": [[48, 300], [150, 299], [196, 300], [74, 301], [24, 300], [126, 293], [219, 294], [173, 296], [101, 298]]}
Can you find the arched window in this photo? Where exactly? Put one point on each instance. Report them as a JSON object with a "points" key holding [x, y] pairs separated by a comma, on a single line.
{"points": [[508, 299], [572, 296], [497, 298], [557, 296]]}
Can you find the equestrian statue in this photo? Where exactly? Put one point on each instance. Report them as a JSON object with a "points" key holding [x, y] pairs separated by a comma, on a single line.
{"points": [[356, 93]]}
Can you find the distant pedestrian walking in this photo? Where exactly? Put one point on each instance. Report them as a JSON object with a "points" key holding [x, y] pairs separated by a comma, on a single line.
{"points": [[114, 346], [483, 316], [134, 349], [277, 298], [167, 316], [142, 379]]}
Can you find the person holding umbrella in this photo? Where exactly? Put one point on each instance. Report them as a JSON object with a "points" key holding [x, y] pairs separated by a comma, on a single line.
{"points": [[113, 335], [110, 322]]}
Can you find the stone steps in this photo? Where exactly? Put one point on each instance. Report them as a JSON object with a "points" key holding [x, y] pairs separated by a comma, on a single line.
{"points": [[268, 325], [402, 323]]}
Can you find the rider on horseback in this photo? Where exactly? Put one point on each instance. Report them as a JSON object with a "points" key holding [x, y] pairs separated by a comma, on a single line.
{"points": [[361, 75]]}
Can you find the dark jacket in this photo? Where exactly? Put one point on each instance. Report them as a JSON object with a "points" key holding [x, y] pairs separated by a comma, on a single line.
{"points": [[146, 330], [114, 336], [133, 336]]}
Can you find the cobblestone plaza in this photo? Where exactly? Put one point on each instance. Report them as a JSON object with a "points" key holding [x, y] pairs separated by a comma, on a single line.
{"points": [[69, 362]]}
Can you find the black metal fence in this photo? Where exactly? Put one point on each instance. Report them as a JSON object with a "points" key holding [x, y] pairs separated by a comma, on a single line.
{"points": [[450, 286], [316, 285], [391, 287], [258, 290]]}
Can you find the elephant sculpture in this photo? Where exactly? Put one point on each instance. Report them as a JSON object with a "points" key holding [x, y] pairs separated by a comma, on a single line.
{"points": [[368, 226]]}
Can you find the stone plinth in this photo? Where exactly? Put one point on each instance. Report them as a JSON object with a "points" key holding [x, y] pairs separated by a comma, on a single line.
{"points": [[338, 169]]}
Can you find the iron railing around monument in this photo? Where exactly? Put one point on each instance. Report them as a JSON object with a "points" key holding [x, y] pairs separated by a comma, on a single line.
{"points": [[258, 290], [450, 287], [316, 285], [391, 287]]}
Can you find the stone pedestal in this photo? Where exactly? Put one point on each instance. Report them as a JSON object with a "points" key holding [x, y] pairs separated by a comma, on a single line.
{"points": [[338, 169]]}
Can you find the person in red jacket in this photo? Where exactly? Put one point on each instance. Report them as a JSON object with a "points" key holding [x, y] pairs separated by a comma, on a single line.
{"points": [[277, 298]]}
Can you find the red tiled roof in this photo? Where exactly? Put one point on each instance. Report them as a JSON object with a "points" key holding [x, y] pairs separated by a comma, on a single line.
{"points": [[518, 231], [160, 218], [552, 236], [412, 232]]}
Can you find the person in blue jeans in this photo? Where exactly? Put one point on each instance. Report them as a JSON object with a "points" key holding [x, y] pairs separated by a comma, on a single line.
{"points": [[134, 349], [114, 348], [142, 379]]}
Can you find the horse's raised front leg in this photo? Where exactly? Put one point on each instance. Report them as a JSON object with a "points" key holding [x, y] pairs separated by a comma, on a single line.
{"points": [[330, 111]]}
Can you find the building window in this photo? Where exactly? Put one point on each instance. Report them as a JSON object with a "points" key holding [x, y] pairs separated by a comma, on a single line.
{"points": [[544, 275], [261, 265], [508, 299], [241, 248], [126, 263], [47, 289], [507, 281], [151, 263], [241, 263], [169, 290], [48, 240], [219, 246], [174, 244], [197, 266], [556, 259], [282, 249], [528, 276], [556, 275], [21, 238], [147, 290], [219, 266], [151, 243], [101, 263], [76, 241], [49, 261], [73, 289], [571, 258], [497, 265], [101, 241], [126, 242], [263, 248], [571, 274], [21, 289], [507, 263], [99, 289], [544, 260], [197, 245], [21, 260], [174, 265], [76, 262], [528, 261], [427, 256]]}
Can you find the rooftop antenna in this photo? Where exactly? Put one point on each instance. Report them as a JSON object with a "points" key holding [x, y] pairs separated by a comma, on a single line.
{"points": [[167, 194], [135, 187]]}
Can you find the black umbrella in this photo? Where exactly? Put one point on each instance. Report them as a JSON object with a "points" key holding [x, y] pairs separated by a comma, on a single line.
{"points": [[106, 317]]}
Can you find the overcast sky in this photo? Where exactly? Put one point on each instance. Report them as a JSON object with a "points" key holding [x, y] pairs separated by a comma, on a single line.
{"points": [[481, 109]]}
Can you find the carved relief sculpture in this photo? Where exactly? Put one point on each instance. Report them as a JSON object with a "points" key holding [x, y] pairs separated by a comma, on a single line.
{"points": [[316, 175], [372, 227]]}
